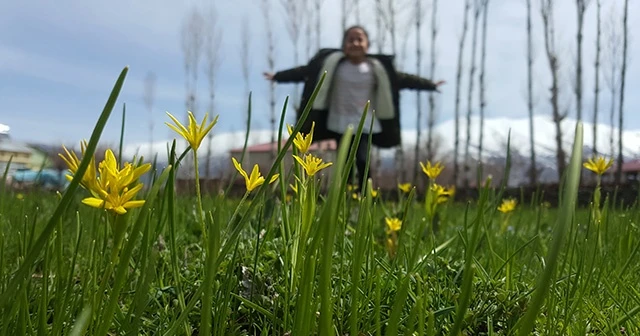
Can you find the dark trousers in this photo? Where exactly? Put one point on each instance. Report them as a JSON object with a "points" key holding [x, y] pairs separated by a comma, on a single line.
{"points": [[360, 159]]}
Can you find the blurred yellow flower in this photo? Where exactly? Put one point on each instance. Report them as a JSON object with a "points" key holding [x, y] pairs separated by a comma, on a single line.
{"points": [[374, 193], [393, 224], [598, 165], [311, 164], [507, 205], [255, 179], [405, 187], [432, 171], [442, 194], [302, 142], [195, 133], [351, 187], [20, 196]]}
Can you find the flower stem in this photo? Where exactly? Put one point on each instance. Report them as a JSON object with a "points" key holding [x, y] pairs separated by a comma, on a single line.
{"points": [[199, 196]]}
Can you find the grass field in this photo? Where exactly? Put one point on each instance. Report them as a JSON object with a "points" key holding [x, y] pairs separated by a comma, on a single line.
{"points": [[108, 258]]}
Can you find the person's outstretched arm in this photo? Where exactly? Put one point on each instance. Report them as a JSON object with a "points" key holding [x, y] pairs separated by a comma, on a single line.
{"points": [[294, 75], [408, 81]]}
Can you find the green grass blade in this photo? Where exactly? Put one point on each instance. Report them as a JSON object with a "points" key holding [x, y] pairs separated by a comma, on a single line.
{"points": [[565, 217], [121, 143], [80, 327], [28, 263], [329, 221]]}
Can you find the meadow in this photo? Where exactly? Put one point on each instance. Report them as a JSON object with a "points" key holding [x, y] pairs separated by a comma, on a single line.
{"points": [[109, 256]]}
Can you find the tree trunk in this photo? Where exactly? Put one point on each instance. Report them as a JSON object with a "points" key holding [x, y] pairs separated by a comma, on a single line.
{"points": [[549, 38], [456, 147], [623, 75], [533, 172], [318, 18], [416, 153], [596, 91], [266, 12], [483, 102], [472, 71], [432, 73], [581, 6]]}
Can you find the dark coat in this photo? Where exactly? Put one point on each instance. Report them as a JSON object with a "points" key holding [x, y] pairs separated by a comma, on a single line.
{"points": [[310, 73]]}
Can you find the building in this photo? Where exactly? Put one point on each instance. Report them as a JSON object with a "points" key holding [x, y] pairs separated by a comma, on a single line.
{"points": [[17, 153]]}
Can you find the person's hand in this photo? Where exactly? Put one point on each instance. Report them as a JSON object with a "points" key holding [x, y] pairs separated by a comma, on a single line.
{"points": [[268, 75]]}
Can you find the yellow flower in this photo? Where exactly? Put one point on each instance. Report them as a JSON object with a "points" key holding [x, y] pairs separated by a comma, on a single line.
{"points": [[432, 171], [405, 187], [393, 224], [255, 179], [312, 164], [302, 142], [195, 133], [351, 187], [117, 200], [507, 205], [113, 188], [598, 165], [89, 179], [374, 193], [20, 196], [355, 196]]}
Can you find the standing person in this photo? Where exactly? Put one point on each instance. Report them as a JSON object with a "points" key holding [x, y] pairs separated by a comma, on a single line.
{"points": [[353, 77]]}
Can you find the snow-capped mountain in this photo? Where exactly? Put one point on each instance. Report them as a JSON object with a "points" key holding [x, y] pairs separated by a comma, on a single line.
{"points": [[496, 133]]}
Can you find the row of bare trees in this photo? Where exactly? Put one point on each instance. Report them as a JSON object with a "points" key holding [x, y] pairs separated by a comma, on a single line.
{"points": [[394, 21]]}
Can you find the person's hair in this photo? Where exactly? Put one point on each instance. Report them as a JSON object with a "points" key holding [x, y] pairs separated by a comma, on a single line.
{"points": [[346, 32]]}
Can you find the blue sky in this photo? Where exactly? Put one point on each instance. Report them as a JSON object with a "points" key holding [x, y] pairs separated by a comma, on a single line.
{"points": [[58, 62]]}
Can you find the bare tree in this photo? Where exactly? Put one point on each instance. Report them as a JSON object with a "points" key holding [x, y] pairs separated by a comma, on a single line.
{"points": [[392, 19], [546, 11], [213, 40], [347, 7], [613, 47], [432, 73], [381, 31], [477, 7], [245, 60], [294, 10], [596, 91], [149, 97], [623, 75], [192, 41], [416, 152], [483, 102], [318, 21], [581, 7], [533, 172], [456, 150], [308, 24], [266, 12], [192, 35]]}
